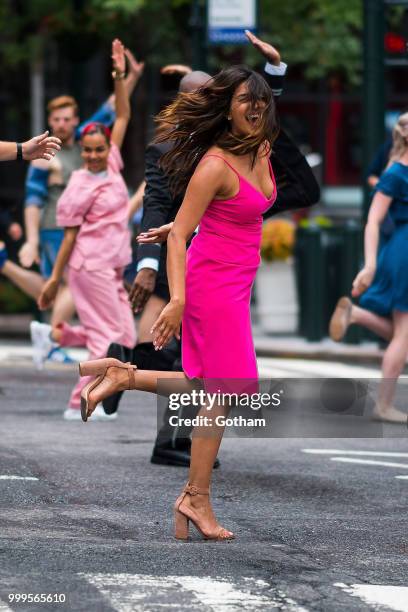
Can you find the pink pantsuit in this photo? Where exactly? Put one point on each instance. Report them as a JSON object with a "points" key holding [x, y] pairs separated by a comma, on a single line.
{"points": [[98, 204]]}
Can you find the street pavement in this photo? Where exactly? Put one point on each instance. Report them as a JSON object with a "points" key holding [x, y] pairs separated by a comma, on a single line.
{"points": [[320, 522]]}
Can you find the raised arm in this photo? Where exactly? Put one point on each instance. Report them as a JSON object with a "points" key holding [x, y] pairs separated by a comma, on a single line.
{"points": [[275, 69], [122, 105], [207, 181]]}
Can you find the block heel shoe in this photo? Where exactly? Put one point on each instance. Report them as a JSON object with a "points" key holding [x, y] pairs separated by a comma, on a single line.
{"points": [[99, 368], [184, 514]]}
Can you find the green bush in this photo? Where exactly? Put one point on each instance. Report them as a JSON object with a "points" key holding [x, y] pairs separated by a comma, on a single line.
{"points": [[12, 300]]}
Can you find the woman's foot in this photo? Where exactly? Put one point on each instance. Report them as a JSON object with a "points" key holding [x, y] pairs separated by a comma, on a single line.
{"points": [[341, 318], [112, 376], [194, 505], [389, 414]]}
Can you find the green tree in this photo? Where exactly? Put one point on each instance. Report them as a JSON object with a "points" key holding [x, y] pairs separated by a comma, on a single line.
{"points": [[323, 35]]}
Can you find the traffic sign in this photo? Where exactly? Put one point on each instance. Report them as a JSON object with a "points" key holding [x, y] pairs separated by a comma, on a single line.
{"points": [[228, 19]]}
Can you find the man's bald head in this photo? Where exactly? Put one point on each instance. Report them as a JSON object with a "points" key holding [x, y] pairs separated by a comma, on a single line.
{"points": [[192, 81]]}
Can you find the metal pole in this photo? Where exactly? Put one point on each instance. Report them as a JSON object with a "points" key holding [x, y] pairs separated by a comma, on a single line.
{"points": [[373, 87], [197, 25]]}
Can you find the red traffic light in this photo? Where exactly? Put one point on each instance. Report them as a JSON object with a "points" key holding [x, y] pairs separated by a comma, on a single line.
{"points": [[395, 43]]}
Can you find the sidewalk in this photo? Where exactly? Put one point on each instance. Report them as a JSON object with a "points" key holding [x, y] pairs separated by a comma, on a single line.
{"points": [[17, 327]]}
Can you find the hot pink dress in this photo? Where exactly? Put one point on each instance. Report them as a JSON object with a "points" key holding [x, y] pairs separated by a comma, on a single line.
{"points": [[222, 262]]}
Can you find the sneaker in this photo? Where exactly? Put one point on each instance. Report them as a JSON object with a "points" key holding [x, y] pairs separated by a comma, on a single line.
{"points": [[72, 414], [100, 415], [41, 342], [58, 355]]}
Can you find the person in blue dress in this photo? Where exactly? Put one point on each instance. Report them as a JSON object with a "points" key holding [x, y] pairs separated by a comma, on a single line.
{"points": [[383, 281]]}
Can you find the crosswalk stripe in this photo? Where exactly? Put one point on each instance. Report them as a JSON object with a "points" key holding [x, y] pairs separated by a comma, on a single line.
{"points": [[333, 451], [141, 592], [222, 596], [12, 477], [369, 462], [394, 597]]}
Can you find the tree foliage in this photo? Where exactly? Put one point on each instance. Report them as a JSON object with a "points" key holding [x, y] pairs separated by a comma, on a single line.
{"points": [[323, 35]]}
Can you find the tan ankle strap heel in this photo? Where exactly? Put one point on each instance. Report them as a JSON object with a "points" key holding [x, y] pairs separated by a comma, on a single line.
{"points": [[193, 490], [183, 514]]}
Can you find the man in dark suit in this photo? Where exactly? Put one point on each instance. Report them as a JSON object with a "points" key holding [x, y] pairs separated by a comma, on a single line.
{"points": [[297, 188]]}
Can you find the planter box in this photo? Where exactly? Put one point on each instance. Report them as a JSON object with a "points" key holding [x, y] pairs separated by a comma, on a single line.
{"points": [[276, 297]]}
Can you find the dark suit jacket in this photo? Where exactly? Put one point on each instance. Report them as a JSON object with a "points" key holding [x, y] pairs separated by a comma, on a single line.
{"points": [[296, 186]]}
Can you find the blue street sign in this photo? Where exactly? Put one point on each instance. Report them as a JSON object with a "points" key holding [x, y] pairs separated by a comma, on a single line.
{"points": [[228, 20]]}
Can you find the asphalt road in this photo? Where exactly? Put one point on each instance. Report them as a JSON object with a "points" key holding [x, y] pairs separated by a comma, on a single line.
{"points": [[85, 516]]}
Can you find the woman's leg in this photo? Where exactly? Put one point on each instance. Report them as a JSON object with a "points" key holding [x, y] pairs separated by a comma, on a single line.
{"points": [[382, 326], [206, 439], [28, 281], [393, 364]]}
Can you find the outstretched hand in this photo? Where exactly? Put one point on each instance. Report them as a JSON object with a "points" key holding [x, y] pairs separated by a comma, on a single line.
{"points": [[118, 55], [155, 234], [167, 325], [41, 147], [269, 52], [135, 67], [180, 69]]}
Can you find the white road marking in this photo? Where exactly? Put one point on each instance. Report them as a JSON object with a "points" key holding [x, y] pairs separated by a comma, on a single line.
{"points": [[222, 596], [141, 592], [402, 477], [4, 607], [369, 462], [333, 451], [12, 477], [394, 597]]}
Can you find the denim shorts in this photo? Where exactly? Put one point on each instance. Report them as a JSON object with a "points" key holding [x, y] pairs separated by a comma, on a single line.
{"points": [[50, 242]]}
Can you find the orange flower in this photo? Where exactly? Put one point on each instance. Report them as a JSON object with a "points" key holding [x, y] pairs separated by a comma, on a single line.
{"points": [[278, 239]]}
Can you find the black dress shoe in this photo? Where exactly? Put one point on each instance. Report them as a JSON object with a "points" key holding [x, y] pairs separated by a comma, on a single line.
{"points": [[117, 351], [176, 453]]}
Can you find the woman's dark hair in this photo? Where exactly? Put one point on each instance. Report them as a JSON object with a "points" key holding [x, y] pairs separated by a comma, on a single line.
{"points": [[96, 128], [198, 120]]}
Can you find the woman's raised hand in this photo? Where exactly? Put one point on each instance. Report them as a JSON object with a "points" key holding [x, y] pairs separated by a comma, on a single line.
{"points": [[118, 56], [362, 281], [135, 67], [167, 325], [155, 234]]}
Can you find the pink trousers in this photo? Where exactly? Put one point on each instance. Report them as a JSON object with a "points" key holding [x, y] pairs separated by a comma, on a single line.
{"points": [[104, 311]]}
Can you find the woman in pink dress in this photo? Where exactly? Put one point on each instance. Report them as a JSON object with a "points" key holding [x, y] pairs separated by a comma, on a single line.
{"points": [[94, 212], [222, 135]]}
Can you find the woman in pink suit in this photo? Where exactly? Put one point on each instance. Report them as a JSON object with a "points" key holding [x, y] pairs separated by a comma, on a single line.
{"points": [[94, 212], [222, 135]]}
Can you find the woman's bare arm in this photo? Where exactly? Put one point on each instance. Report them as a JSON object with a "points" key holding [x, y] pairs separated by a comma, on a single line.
{"points": [[49, 291], [378, 210], [122, 105], [206, 183]]}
